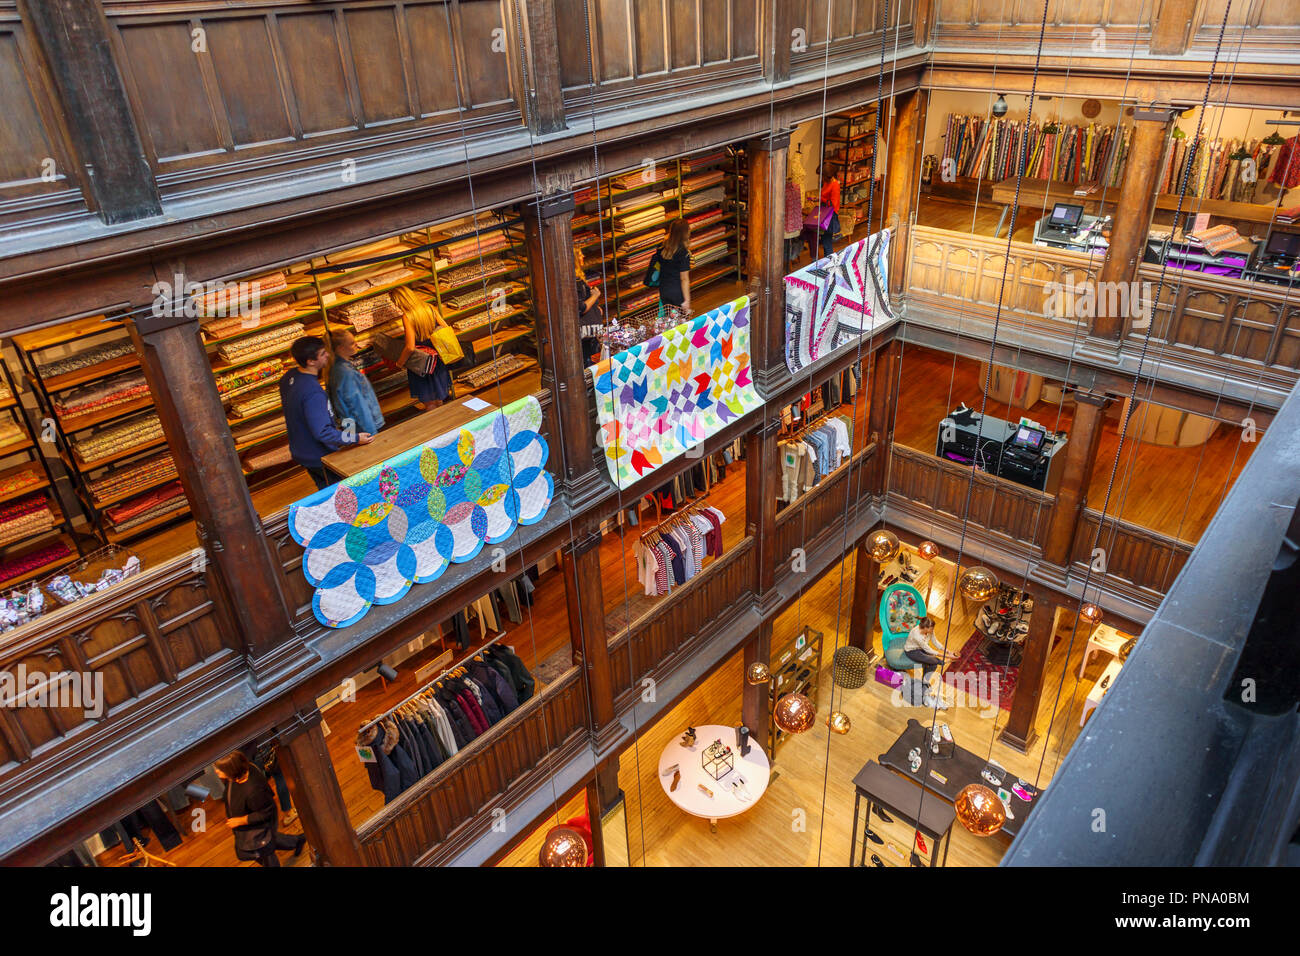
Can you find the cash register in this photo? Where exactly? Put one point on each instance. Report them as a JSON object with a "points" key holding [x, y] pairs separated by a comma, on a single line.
{"points": [[1068, 228], [1277, 260], [1023, 452]]}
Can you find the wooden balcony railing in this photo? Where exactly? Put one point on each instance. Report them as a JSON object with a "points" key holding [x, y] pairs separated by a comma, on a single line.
{"points": [[1001, 509], [224, 89], [143, 650], [823, 510], [1142, 557], [960, 274], [853, 26], [613, 52], [513, 754], [1215, 318], [653, 645]]}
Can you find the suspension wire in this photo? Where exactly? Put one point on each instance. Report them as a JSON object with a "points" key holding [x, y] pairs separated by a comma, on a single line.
{"points": [[1146, 342]]}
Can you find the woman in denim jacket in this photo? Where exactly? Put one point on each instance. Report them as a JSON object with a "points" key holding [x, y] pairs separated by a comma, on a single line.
{"points": [[350, 391]]}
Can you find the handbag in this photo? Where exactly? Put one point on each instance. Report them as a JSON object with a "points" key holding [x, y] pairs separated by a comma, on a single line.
{"points": [[447, 345], [653, 272], [820, 217]]}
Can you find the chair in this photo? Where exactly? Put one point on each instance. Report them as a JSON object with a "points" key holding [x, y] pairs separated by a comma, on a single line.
{"points": [[901, 606]]}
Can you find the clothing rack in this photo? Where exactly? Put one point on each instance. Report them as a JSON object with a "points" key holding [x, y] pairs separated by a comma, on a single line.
{"points": [[808, 425], [398, 706], [676, 516]]}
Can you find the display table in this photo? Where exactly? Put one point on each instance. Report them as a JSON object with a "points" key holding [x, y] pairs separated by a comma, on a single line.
{"points": [[753, 768], [947, 777], [905, 810], [1104, 683], [391, 442], [1104, 638]]}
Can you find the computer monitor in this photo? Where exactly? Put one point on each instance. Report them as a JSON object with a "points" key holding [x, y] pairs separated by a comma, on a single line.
{"points": [[1065, 215], [1029, 438], [1285, 245]]}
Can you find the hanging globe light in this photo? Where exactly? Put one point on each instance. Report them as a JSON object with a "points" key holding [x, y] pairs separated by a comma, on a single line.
{"points": [[979, 810], [883, 545], [1090, 613], [839, 722], [978, 584], [564, 846], [928, 550], [758, 673], [794, 713]]}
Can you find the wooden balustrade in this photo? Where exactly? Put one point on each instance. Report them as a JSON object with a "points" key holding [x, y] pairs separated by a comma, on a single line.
{"points": [[655, 643], [613, 52], [514, 754], [823, 510], [142, 649], [853, 26], [1215, 317], [1138, 555], [1000, 508], [960, 274]]}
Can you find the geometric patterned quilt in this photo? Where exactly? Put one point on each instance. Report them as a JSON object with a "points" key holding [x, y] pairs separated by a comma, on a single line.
{"points": [[403, 521], [835, 300], [667, 394]]}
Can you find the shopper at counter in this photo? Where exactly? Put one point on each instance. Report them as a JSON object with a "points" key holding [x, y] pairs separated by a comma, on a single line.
{"points": [[350, 392], [307, 414]]}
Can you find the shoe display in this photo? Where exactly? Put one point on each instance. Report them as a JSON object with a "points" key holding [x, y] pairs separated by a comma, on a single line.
{"points": [[876, 861], [885, 817], [677, 778], [874, 837], [945, 733], [1024, 794]]}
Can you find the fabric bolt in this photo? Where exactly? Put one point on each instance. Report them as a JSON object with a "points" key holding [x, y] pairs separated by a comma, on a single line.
{"points": [[89, 358]]}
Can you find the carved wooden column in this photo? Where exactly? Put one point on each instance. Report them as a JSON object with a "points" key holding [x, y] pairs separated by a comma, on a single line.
{"points": [[1173, 27], [545, 90], [114, 174], [880, 419], [1132, 220], [585, 597], [866, 584], [906, 143], [765, 258], [180, 376], [548, 236], [762, 477], [1076, 474], [755, 698], [305, 759], [1019, 732]]}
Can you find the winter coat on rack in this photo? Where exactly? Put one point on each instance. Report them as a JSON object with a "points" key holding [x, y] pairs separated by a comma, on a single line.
{"points": [[490, 679], [460, 725], [521, 679], [407, 772], [383, 773], [473, 713], [487, 701]]}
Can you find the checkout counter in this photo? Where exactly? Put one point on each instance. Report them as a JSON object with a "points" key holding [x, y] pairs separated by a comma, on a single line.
{"points": [[1275, 260], [1067, 227]]}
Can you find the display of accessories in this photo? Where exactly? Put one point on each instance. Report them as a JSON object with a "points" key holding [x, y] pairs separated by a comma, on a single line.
{"points": [[717, 760], [96, 572], [20, 606]]}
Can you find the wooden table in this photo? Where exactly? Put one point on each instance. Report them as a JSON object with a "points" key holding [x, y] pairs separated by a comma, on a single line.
{"points": [[1103, 638], [391, 442], [882, 789]]}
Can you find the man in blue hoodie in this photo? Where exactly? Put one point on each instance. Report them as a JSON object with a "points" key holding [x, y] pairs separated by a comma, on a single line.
{"points": [[307, 414]]}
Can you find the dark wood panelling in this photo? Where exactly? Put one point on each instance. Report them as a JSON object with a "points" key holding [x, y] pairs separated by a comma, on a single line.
{"points": [[648, 38], [487, 43], [684, 30], [378, 63], [25, 141], [165, 79], [1141, 557], [853, 26], [247, 77], [429, 32], [314, 62], [575, 38], [714, 39]]}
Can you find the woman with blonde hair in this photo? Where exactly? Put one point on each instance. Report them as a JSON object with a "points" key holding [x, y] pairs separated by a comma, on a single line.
{"points": [[591, 318], [420, 320]]}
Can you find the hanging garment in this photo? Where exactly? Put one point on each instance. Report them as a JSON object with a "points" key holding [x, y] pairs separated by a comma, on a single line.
{"points": [[382, 771], [522, 680]]}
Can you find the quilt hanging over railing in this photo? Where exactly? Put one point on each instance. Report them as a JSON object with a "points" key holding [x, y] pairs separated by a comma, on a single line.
{"points": [[833, 301], [667, 394], [367, 539]]}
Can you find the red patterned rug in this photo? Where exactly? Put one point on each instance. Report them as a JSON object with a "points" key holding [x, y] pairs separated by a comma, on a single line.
{"points": [[981, 676]]}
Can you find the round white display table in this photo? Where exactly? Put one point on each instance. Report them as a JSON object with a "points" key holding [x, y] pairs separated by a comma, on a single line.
{"points": [[753, 769]]}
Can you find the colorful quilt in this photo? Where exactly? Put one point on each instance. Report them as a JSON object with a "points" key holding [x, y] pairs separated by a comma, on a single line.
{"points": [[657, 399], [367, 539], [835, 300]]}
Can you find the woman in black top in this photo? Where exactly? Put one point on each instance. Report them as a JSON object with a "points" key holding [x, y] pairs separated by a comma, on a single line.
{"points": [[675, 271], [251, 812], [591, 319]]}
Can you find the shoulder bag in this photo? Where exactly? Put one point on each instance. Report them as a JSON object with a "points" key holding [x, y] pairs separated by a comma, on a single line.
{"points": [[250, 843]]}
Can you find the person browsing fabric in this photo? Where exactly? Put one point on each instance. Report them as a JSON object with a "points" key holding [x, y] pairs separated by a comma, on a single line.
{"points": [[674, 258], [591, 318], [351, 393], [920, 647], [308, 418], [830, 196]]}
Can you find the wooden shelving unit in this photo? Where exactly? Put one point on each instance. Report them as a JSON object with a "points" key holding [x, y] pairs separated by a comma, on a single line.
{"points": [[847, 149], [796, 669]]}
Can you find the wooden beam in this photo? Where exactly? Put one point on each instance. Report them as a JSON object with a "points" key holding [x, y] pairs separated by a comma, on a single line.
{"points": [[762, 473], [765, 257], [866, 585], [755, 703], [305, 758], [73, 37], [906, 144], [883, 383], [1173, 27], [585, 597], [545, 91], [1076, 473]]}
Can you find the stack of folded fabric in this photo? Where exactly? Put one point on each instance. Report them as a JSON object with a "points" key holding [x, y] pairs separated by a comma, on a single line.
{"points": [[463, 275], [709, 177], [169, 499], [708, 237], [471, 322], [639, 220], [249, 377], [639, 260], [94, 356], [5, 392], [253, 318], [699, 162], [378, 280], [99, 396], [702, 200], [1218, 238], [265, 459], [239, 296], [585, 194], [464, 250], [132, 477], [640, 300], [493, 371], [255, 403], [366, 313], [250, 432], [263, 343], [131, 433], [1289, 215], [19, 481], [472, 297], [9, 431], [374, 250], [701, 219], [647, 240], [469, 226], [34, 559], [24, 518], [644, 177], [709, 253]]}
